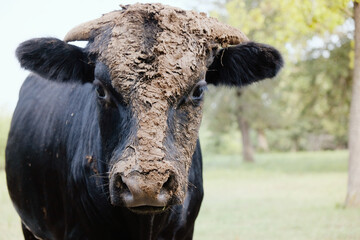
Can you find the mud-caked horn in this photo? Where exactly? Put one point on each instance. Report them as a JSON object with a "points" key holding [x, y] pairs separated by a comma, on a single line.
{"points": [[85, 31], [220, 33], [224, 34]]}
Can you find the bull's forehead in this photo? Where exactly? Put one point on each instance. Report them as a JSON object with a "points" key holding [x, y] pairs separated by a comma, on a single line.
{"points": [[156, 55], [156, 51]]}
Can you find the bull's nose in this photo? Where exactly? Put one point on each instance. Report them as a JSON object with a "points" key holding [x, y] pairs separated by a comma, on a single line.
{"points": [[135, 191]]}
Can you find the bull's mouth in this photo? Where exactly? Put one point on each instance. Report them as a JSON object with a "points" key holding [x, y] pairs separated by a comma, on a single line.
{"points": [[148, 209]]}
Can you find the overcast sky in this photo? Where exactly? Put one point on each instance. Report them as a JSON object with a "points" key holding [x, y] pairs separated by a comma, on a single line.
{"points": [[21, 20]]}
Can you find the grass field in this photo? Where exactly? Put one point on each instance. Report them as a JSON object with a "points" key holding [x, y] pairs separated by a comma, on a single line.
{"points": [[292, 196]]}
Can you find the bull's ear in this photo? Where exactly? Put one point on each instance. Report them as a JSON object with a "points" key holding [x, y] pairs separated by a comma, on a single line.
{"points": [[244, 64], [56, 60]]}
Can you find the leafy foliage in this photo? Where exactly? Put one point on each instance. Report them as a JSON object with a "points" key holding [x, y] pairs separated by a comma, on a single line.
{"points": [[310, 100]]}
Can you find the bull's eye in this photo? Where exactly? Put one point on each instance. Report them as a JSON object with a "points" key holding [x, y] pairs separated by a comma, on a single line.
{"points": [[198, 91], [100, 92], [195, 96]]}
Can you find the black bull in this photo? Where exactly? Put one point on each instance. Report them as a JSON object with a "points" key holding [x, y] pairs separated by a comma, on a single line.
{"points": [[61, 141]]}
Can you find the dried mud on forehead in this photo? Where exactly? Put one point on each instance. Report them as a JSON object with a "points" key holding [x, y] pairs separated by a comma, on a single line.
{"points": [[153, 41], [156, 54]]}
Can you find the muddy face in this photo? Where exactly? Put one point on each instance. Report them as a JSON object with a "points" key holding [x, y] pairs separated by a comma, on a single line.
{"points": [[156, 59], [151, 167], [160, 74], [151, 164]]}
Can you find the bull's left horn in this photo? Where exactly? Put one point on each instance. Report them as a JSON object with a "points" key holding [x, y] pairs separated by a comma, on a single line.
{"points": [[225, 34], [87, 30]]}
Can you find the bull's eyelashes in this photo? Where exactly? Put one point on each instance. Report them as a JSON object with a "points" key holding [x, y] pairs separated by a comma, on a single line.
{"points": [[102, 93], [195, 96], [197, 92]]}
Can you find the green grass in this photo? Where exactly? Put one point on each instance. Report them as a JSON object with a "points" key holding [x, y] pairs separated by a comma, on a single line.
{"points": [[4, 130], [297, 196], [292, 196], [10, 228]]}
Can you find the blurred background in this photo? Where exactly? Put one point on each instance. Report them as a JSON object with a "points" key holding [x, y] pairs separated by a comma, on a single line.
{"points": [[275, 153]]}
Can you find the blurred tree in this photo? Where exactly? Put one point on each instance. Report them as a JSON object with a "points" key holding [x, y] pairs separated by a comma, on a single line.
{"points": [[243, 123], [292, 24], [353, 193], [324, 85], [289, 26]]}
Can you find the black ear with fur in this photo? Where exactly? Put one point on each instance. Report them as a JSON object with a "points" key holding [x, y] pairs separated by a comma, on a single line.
{"points": [[244, 64], [56, 60]]}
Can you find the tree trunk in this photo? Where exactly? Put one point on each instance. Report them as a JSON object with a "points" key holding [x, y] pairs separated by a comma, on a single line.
{"points": [[247, 147], [353, 194], [262, 141]]}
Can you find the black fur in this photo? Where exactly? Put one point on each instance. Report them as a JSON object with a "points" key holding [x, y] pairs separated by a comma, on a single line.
{"points": [[54, 59], [63, 137], [57, 128], [244, 64]]}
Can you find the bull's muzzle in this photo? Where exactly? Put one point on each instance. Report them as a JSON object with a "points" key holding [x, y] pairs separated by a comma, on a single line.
{"points": [[150, 192]]}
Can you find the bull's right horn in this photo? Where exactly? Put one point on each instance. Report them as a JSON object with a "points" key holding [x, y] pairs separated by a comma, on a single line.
{"points": [[85, 31]]}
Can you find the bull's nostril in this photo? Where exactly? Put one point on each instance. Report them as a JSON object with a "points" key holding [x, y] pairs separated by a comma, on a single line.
{"points": [[169, 184], [119, 184]]}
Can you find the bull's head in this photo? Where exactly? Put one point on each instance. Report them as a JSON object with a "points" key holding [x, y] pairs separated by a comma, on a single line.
{"points": [[150, 65]]}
